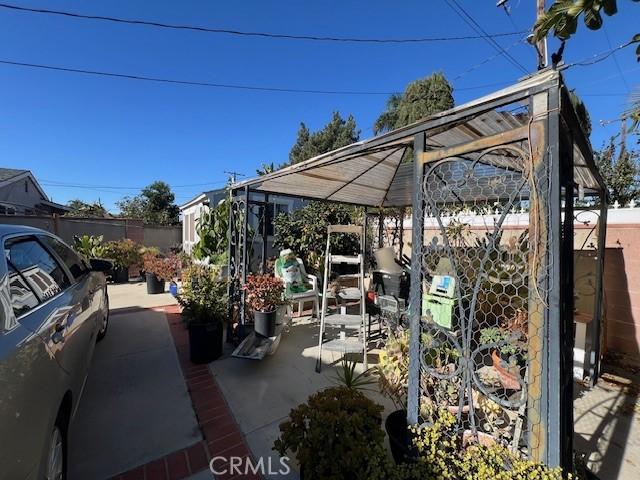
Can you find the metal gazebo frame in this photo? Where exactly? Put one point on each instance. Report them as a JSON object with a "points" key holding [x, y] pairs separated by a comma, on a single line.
{"points": [[520, 148]]}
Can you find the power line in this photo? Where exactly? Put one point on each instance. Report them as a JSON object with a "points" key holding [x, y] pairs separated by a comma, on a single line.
{"points": [[206, 84], [597, 58], [487, 60], [187, 82], [615, 59], [469, 20], [119, 187], [247, 33]]}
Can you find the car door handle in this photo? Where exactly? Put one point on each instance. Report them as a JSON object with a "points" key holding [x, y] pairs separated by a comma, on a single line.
{"points": [[58, 332]]}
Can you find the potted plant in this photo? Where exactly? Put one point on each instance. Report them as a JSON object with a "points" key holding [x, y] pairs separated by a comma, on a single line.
{"points": [[159, 270], [204, 303], [508, 344], [124, 254], [264, 293]]}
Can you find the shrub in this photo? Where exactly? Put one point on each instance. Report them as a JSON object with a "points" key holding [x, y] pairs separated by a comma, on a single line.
{"points": [[305, 232], [203, 296], [264, 292], [124, 253], [444, 455], [336, 434], [165, 268]]}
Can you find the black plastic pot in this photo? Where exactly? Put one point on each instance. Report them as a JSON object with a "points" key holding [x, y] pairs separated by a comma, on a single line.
{"points": [[154, 284], [120, 275], [265, 323], [399, 437], [205, 342]]}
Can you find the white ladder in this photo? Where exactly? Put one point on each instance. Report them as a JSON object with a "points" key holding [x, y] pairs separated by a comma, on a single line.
{"points": [[345, 322]]}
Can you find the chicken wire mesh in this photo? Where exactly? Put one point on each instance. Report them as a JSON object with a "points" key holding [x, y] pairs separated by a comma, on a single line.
{"points": [[484, 295]]}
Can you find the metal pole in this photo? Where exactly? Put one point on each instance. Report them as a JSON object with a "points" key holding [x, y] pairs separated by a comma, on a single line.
{"points": [[266, 220], [415, 294], [541, 46], [232, 239], [380, 228], [596, 327], [243, 279], [401, 246]]}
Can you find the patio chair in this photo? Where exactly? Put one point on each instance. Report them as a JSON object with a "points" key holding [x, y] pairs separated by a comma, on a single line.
{"points": [[310, 295]]}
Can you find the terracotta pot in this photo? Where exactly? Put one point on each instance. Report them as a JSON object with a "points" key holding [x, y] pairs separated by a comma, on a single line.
{"points": [[509, 375], [484, 439]]}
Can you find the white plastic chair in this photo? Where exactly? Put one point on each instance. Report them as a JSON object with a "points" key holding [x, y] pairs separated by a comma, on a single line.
{"points": [[310, 295]]}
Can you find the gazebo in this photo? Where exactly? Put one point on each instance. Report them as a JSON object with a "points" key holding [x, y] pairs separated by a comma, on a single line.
{"points": [[493, 186]]}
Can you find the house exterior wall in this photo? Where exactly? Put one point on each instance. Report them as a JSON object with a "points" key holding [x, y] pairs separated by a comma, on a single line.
{"points": [[192, 213], [21, 194]]}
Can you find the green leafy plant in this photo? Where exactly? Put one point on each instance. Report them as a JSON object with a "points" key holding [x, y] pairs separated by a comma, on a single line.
{"points": [[89, 245], [264, 292], [562, 17], [393, 367], [125, 253], [336, 434], [165, 268], [203, 296], [348, 377], [446, 454], [212, 228], [305, 232]]}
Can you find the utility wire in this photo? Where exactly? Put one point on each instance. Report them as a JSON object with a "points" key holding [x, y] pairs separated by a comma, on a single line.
{"points": [[615, 59], [187, 82], [487, 60], [207, 84], [469, 20], [597, 58], [70, 184], [248, 33]]}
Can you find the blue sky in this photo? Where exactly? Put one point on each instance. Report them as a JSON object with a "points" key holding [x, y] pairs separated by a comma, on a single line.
{"points": [[105, 132]]}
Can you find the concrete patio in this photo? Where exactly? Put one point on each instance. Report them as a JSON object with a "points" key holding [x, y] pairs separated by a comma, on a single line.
{"points": [[136, 406], [262, 393]]}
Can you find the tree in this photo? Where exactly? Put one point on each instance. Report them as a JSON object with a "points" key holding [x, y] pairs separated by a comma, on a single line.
{"points": [[620, 169], [80, 208], [422, 98], [562, 17], [131, 207], [335, 134], [155, 204], [305, 231]]}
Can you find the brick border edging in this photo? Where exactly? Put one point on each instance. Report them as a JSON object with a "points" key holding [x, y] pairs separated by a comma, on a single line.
{"points": [[222, 435]]}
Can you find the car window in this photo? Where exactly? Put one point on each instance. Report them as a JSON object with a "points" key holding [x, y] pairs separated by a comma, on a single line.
{"points": [[72, 260], [23, 298], [42, 272]]}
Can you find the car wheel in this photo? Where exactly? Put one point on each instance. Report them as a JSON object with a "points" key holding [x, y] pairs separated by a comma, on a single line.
{"points": [[56, 463], [104, 323]]}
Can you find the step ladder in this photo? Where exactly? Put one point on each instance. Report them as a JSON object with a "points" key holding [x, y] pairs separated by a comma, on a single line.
{"points": [[350, 328]]}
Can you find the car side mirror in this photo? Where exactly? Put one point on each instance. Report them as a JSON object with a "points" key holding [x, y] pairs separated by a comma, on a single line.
{"points": [[100, 265]]}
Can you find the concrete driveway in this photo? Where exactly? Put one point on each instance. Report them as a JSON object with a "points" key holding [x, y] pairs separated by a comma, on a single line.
{"points": [[136, 406]]}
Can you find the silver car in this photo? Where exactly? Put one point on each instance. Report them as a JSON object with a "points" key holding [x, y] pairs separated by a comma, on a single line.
{"points": [[53, 308]]}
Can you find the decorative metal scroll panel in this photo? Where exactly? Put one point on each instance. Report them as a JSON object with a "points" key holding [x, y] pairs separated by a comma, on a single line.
{"points": [[483, 304], [237, 265]]}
